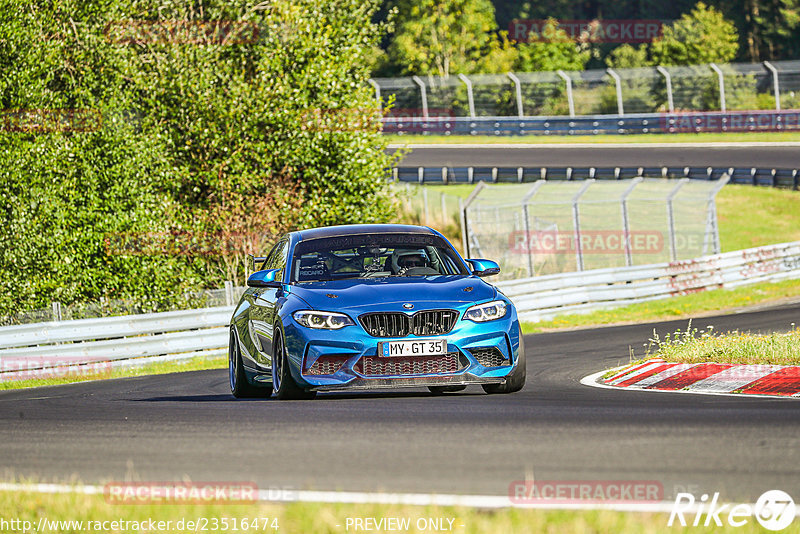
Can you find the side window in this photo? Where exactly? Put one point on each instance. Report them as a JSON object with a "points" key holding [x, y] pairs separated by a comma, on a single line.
{"points": [[277, 258]]}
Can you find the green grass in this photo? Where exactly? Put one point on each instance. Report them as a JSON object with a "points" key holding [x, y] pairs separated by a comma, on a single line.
{"points": [[691, 346], [674, 308], [196, 364], [732, 137], [311, 518]]}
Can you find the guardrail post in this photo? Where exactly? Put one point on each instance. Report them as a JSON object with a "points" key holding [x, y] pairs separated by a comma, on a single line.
{"points": [[775, 85], [626, 227], [518, 86], [470, 97], [671, 218], [423, 95], [229, 300], [377, 87], [618, 83], [576, 221], [56, 311], [570, 100], [721, 79], [665, 73]]}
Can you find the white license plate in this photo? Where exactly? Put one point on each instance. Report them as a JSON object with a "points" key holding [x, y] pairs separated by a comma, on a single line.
{"points": [[396, 349]]}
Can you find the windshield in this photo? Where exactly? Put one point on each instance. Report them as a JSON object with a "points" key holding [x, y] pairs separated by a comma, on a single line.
{"points": [[374, 255]]}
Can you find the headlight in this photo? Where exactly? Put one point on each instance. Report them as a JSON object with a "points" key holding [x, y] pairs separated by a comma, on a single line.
{"points": [[322, 320], [489, 311]]}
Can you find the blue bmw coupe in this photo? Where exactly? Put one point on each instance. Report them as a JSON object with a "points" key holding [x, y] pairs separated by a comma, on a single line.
{"points": [[368, 307]]}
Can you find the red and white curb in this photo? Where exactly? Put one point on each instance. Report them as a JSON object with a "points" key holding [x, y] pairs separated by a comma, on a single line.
{"points": [[706, 378]]}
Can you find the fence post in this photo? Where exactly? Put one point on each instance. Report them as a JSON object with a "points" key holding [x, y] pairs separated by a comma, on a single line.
{"points": [[626, 227], [425, 211], [671, 218], [470, 97], [56, 311], [527, 224], [618, 83], [721, 79], [464, 219], [518, 86], [570, 100], [665, 73], [711, 220], [775, 85], [423, 95], [377, 87], [576, 221], [443, 217]]}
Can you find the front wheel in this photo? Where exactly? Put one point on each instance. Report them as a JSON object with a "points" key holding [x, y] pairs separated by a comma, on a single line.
{"points": [[240, 387], [516, 380], [283, 385]]}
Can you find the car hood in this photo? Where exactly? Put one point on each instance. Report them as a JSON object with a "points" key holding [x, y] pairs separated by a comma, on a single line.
{"points": [[390, 293]]}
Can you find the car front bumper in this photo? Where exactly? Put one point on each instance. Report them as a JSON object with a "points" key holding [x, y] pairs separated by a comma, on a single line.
{"points": [[349, 349]]}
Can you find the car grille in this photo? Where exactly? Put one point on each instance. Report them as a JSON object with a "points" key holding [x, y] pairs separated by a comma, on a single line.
{"points": [[489, 357], [423, 323], [410, 365], [327, 365]]}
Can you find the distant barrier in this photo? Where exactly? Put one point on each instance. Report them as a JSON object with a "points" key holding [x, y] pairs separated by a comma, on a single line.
{"points": [[544, 297], [787, 178], [643, 123]]}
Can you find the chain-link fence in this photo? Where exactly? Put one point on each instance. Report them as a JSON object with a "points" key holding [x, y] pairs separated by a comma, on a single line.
{"points": [[555, 227], [732, 87]]}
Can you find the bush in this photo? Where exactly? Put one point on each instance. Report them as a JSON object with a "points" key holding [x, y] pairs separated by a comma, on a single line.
{"points": [[222, 137]]}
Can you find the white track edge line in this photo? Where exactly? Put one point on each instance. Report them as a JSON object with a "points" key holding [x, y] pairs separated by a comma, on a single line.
{"points": [[734, 144], [416, 499], [592, 380]]}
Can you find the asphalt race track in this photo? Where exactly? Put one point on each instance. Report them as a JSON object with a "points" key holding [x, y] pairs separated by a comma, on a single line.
{"points": [[168, 427], [605, 156]]}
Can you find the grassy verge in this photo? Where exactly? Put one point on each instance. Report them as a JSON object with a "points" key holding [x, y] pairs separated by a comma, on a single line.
{"points": [[732, 137], [308, 518], [683, 306], [197, 364], [691, 346]]}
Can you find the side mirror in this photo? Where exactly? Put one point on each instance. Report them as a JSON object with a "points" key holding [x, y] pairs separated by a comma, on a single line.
{"points": [[484, 267], [265, 278]]}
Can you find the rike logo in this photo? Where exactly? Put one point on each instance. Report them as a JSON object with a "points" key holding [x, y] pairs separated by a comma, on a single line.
{"points": [[774, 510]]}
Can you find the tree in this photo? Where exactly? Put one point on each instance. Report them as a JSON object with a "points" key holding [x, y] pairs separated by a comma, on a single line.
{"points": [[702, 36], [444, 38], [557, 51], [210, 141]]}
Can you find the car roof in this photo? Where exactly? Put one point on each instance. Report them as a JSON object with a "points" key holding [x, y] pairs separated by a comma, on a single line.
{"points": [[355, 229]]}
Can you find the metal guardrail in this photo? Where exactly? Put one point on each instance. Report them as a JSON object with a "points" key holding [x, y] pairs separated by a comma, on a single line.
{"points": [[203, 331], [789, 178], [544, 297], [641, 123], [69, 343]]}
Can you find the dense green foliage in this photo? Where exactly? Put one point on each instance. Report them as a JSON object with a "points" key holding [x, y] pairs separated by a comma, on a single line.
{"points": [[471, 34], [210, 142]]}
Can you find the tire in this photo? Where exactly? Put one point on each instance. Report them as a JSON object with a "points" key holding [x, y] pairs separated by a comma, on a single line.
{"points": [[516, 380], [439, 390], [240, 387], [283, 385]]}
